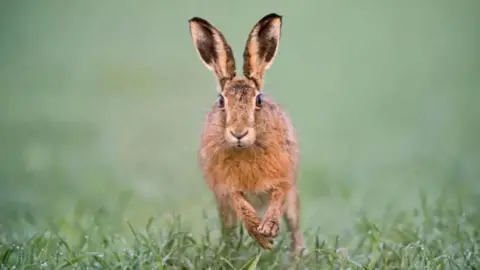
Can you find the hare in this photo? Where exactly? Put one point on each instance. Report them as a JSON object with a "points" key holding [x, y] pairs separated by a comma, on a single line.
{"points": [[249, 153]]}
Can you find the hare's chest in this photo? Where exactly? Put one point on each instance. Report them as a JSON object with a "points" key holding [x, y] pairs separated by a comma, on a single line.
{"points": [[247, 177], [246, 171]]}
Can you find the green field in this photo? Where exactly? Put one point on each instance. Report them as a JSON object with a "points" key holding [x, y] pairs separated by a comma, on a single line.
{"points": [[102, 104]]}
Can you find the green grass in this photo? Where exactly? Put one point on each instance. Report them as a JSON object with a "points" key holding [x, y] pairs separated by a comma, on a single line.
{"points": [[431, 237]]}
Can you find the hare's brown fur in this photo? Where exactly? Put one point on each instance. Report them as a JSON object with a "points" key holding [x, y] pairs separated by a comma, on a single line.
{"points": [[249, 153]]}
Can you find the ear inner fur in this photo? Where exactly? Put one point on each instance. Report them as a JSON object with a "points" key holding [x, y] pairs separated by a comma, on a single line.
{"points": [[213, 49], [261, 47]]}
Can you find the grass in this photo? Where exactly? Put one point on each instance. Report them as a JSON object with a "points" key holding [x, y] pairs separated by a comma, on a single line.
{"points": [[436, 236]]}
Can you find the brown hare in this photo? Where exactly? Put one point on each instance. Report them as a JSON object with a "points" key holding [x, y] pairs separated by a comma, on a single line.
{"points": [[249, 153]]}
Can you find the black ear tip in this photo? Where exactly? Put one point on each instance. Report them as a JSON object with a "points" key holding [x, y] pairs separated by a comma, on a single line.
{"points": [[271, 16], [199, 20]]}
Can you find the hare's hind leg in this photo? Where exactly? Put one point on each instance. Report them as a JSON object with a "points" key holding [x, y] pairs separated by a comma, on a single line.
{"points": [[228, 216], [292, 218]]}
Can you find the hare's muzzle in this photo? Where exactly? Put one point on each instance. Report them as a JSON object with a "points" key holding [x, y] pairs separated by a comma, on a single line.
{"points": [[240, 137]]}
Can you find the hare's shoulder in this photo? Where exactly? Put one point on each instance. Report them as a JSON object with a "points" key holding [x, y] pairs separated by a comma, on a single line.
{"points": [[281, 126]]}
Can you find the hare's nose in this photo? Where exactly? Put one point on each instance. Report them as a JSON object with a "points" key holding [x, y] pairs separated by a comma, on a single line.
{"points": [[239, 136]]}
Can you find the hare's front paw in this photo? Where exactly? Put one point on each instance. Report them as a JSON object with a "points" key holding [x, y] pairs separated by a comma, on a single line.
{"points": [[265, 242], [269, 227]]}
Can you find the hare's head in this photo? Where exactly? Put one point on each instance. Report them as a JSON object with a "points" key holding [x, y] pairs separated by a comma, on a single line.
{"points": [[239, 98]]}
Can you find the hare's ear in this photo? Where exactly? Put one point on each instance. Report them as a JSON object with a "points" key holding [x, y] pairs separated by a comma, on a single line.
{"points": [[213, 49], [261, 47]]}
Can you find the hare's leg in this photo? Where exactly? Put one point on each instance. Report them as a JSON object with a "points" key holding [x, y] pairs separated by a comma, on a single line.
{"points": [[292, 218], [248, 215], [228, 218], [271, 221]]}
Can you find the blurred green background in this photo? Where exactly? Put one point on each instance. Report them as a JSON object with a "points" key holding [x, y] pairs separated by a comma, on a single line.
{"points": [[102, 104]]}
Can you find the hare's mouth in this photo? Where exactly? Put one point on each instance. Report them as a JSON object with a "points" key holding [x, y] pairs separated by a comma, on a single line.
{"points": [[240, 139], [240, 145]]}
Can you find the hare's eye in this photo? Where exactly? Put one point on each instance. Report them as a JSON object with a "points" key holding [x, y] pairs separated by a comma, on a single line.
{"points": [[258, 100], [221, 101]]}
